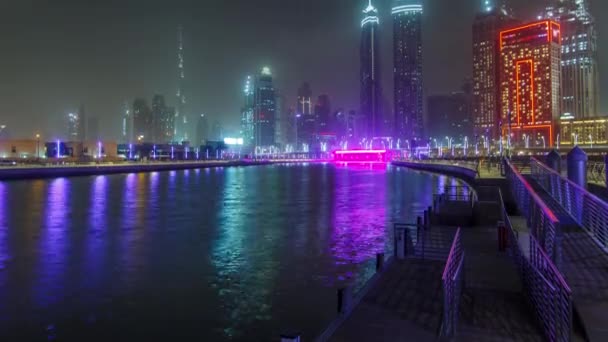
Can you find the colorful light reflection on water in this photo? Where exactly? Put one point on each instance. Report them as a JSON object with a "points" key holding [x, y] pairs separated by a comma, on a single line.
{"points": [[224, 254]]}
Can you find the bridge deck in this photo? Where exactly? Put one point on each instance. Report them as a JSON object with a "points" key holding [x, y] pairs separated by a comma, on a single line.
{"points": [[493, 307], [585, 267], [405, 305]]}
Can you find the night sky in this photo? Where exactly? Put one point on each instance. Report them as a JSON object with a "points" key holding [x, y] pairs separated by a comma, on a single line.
{"points": [[57, 54]]}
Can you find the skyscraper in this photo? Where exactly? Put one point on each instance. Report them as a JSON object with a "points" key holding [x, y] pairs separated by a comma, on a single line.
{"points": [[579, 65], [264, 110], [163, 119], [181, 118], [486, 61], [127, 124], [142, 121], [407, 57], [371, 88], [530, 81], [305, 115], [247, 111], [202, 130], [77, 125], [323, 115]]}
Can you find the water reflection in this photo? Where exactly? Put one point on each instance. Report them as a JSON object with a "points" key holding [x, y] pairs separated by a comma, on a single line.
{"points": [[216, 254], [54, 244]]}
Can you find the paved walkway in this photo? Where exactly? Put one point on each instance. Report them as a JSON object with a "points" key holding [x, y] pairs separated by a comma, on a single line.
{"points": [[585, 267], [493, 307], [405, 305]]}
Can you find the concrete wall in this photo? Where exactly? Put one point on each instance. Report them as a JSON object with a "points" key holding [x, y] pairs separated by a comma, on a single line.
{"points": [[463, 173]]}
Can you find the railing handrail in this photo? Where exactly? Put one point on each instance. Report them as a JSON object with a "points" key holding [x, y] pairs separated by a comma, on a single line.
{"points": [[546, 210], [451, 255], [576, 186], [553, 268]]}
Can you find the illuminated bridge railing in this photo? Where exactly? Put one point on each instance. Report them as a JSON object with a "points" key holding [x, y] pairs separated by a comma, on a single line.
{"points": [[544, 286], [590, 212], [541, 221], [453, 282]]}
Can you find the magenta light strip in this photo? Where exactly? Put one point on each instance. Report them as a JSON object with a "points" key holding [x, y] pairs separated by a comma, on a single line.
{"points": [[360, 151]]}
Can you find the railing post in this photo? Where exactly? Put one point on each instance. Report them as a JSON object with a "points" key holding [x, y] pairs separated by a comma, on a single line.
{"points": [[502, 236], [421, 233], [554, 161], [399, 242], [344, 299], [379, 262], [606, 169]]}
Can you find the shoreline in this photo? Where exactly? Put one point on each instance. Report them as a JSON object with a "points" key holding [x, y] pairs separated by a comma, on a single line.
{"points": [[58, 171]]}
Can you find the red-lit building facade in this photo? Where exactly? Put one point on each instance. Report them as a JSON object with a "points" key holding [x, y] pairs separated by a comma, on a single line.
{"points": [[530, 82]]}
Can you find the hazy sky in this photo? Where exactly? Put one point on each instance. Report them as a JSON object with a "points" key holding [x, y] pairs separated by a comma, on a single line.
{"points": [[57, 54]]}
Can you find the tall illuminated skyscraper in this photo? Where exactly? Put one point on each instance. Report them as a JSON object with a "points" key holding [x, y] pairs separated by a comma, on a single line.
{"points": [[247, 111], [305, 116], [264, 109], [580, 77], [371, 88], [486, 61], [530, 81], [407, 74], [181, 117]]}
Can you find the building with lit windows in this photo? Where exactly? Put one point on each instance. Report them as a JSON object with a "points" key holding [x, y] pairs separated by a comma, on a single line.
{"points": [[305, 116], [163, 120], [486, 61], [589, 131], [322, 115], [371, 88], [142, 121], [580, 77], [247, 112], [407, 74], [264, 109], [530, 81]]}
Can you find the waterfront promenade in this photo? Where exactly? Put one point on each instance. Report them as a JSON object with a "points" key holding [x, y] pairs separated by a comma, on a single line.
{"points": [[33, 171]]}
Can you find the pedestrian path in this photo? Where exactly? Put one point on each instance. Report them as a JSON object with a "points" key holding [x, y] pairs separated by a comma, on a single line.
{"points": [[493, 307]]}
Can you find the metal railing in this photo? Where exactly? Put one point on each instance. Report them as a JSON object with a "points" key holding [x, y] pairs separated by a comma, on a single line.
{"points": [[541, 221], [453, 282], [589, 211], [544, 286]]}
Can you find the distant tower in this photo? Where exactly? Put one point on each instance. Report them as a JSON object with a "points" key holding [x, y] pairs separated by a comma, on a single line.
{"points": [[127, 124], [265, 109], [579, 64], [371, 89], [486, 64], [247, 122], [407, 57], [305, 116], [202, 131], [181, 118]]}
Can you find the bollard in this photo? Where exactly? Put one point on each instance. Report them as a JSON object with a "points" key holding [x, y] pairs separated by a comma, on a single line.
{"points": [[429, 222], [502, 236], [419, 236], [290, 338], [344, 299], [577, 166], [554, 161], [379, 262]]}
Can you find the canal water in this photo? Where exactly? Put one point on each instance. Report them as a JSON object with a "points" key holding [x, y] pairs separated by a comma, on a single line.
{"points": [[222, 254]]}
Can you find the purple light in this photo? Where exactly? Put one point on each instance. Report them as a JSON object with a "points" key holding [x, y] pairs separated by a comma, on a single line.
{"points": [[130, 151], [154, 152], [99, 149], [171, 152], [360, 152], [58, 149]]}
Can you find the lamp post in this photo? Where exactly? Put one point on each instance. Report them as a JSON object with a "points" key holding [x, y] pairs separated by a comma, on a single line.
{"points": [[591, 140]]}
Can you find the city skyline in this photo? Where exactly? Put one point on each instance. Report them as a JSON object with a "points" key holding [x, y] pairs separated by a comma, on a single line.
{"points": [[123, 67]]}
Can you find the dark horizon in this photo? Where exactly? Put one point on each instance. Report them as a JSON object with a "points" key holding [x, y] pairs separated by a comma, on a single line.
{"points": [[61, 55]]}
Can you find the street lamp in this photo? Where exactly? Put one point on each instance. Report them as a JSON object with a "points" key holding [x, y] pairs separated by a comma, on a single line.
{"points": [[591, 140], [544, 142]]}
